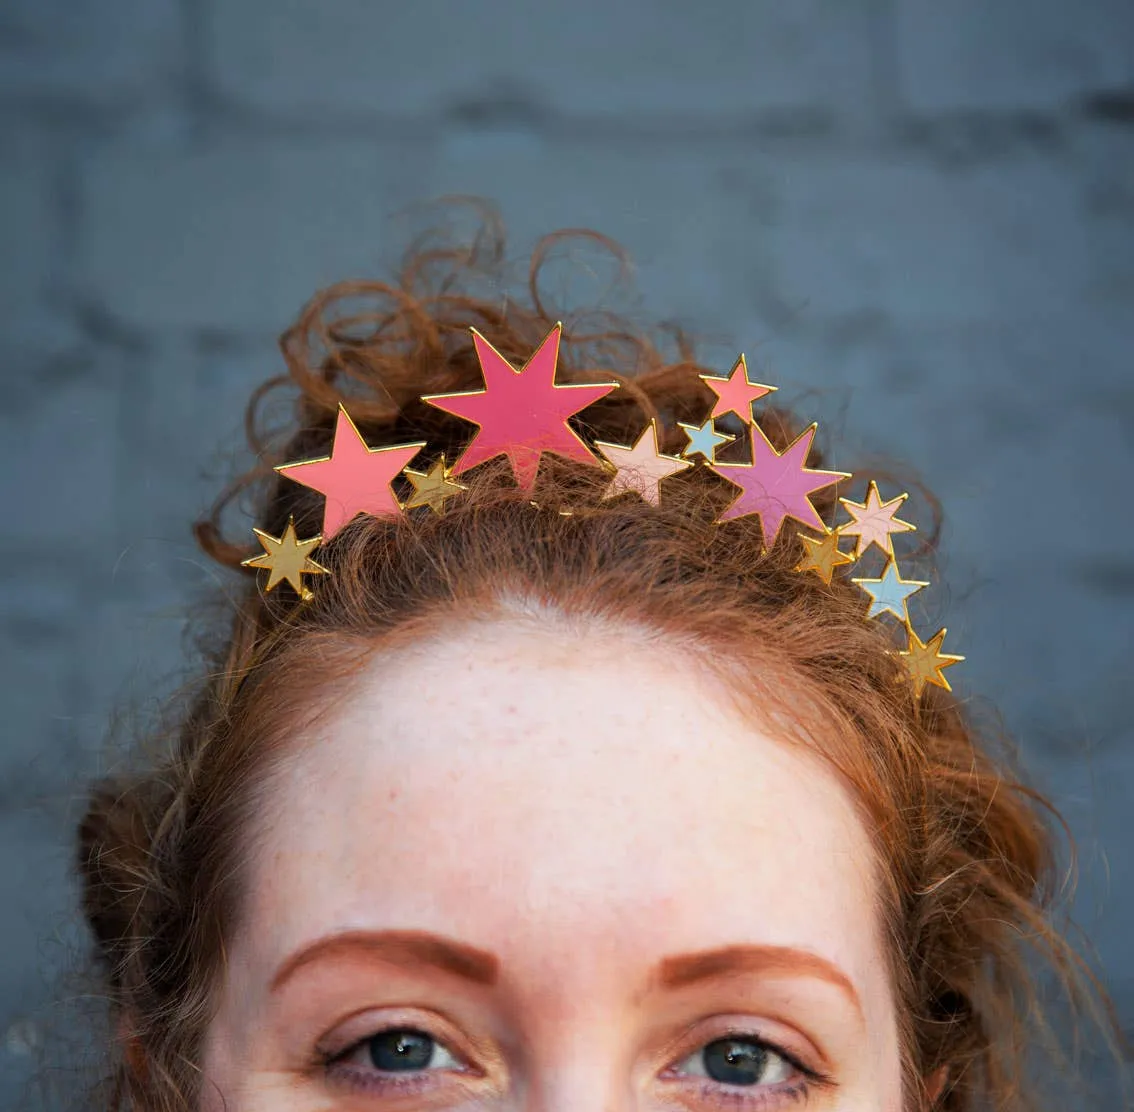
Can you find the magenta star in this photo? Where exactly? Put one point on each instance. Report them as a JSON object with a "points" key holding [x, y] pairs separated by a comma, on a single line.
{"points": [[776, 485], [523, 413]]}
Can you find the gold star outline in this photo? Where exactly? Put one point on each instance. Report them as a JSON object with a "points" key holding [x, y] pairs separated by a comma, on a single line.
{"points": [[873, 521], [926, 662], [287, 558], [823, 555], [432, 488]]}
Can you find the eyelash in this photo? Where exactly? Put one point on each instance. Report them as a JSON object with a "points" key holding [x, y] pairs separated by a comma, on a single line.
{"points": [[714, 1092]]}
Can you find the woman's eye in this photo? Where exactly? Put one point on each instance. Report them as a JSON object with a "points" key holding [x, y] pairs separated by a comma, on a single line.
{"points": [[739, 1061], [401, 1050]]}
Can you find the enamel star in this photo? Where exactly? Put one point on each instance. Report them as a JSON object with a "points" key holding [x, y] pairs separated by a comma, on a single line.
{"points": [[736, 393], [642, 467], [521, 414], [355, 478], [777, 485], [926, 662], [823, 555], [873, 521], [287, 558], [704, 440], [433, 488], [889, 593]]}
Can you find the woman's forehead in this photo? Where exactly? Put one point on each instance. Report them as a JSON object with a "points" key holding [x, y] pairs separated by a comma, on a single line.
{"points": [[529, 795]]}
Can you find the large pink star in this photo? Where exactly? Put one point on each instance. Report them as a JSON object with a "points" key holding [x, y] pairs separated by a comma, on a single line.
{"points": [[355, 478], [523, 413], [736, 393], [776, 485]]}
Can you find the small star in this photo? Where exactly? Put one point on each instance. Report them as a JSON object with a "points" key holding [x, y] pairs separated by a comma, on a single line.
{"points": [[287, 558], [736, 393], [874, 521], [704, 440], [926, 661], [823, 555], [642, 467], [432, 488], [888, 594]]}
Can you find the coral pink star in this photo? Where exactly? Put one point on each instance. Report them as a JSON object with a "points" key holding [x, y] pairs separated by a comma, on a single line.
{"points": [[736, 393], [355, 478], [523, 413], [776, 485]]}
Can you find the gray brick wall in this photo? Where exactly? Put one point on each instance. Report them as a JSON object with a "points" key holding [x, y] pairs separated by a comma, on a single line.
{"points": [[924, 210]]}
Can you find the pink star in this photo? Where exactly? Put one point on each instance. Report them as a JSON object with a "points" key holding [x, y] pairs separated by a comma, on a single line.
{"points": [[736, 393], [873, 521], [642, 467], [776, 485], [356, 479], [523, 413]]}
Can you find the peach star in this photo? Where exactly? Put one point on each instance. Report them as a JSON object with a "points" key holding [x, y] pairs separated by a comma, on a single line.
{"points": [[642, 467], [873, 521]]}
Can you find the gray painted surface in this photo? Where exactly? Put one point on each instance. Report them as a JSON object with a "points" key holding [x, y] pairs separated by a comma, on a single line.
{"points": [[923, 210]]}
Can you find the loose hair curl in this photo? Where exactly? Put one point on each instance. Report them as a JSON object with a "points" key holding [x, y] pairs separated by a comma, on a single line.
{"points": [[967, 853]]}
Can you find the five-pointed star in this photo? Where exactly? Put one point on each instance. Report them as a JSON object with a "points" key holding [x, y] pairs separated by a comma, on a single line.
{"points": [[736, 393], [356, 479], [874, 521], [432, 488], [926, 661], [823, 555], [889, 594], [642, 467], [523, 413], [704, 440], [776, 485], [287, 558]]}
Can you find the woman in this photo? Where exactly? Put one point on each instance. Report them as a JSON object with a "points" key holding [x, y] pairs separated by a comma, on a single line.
{"points": [[570, 745]]}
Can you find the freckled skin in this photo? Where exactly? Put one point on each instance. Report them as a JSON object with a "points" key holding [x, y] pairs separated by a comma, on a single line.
{"points": [[581, 804]]}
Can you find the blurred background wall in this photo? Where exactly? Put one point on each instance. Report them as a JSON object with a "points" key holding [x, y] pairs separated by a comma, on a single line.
{"points": [[923, 209]]}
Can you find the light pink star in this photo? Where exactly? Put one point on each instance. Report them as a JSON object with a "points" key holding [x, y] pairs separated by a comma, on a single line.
{"points": [[776, 485], [642, 467], [874, 521], [736, 393], [523, 413], [355, 478]]}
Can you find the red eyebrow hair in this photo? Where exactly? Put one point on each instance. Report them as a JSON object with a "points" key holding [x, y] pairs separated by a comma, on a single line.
{"points": [[406, 947], [685, 969], [401, 947]]}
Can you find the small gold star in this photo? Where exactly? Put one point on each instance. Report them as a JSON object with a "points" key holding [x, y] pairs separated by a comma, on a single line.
{"points": [[926, 662], [823, 555], [287, 558], [432, 488]]}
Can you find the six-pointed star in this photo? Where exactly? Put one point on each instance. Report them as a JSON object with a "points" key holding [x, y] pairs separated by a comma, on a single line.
{"points": [[523, 413]]}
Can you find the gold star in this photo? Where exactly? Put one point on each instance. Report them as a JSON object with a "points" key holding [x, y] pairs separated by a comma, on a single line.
{"points": [[823, 555], [287, 558], [432, 488], [926, 662], [874, 521]]}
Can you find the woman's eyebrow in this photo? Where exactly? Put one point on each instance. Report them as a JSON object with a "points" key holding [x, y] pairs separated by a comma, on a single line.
{"points": [[685, 969], [411, 947], [400, 947]]}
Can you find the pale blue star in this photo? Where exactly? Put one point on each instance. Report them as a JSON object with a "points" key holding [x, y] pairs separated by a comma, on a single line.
{"points": [[704, 440], [888, 595]]}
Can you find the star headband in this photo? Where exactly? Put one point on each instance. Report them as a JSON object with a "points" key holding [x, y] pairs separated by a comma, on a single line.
{"points": [[521, 414]]}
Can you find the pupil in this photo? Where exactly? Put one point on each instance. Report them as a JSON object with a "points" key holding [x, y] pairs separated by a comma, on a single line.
{"points": [[400, 1050], [735, 1061]]}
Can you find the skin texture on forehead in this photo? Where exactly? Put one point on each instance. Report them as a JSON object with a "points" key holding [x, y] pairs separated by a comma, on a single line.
{"points": [[577, 807]]}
